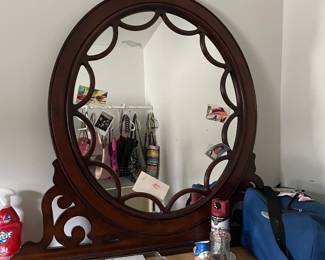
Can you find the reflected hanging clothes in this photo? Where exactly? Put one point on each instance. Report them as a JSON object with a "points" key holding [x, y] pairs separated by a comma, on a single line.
{"points": [[103, 156], [113, 153], [152, 149], [125, 146], [153, 155], [100, 154], [137, 162], [83, 138]]}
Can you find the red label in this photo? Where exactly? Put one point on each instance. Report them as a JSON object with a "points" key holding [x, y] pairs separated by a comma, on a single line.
{"points": [[10, 232]]}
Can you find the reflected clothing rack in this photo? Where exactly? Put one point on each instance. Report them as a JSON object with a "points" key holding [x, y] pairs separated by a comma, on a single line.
{"points": [[123, 106]]}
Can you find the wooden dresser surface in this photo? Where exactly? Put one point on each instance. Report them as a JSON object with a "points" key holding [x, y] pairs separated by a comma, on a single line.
{"points": [[241, 254]]}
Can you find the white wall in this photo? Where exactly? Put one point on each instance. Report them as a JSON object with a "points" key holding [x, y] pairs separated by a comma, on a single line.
{"points": [[32, 35], [257, 27], [110, 75], [303, 92]]}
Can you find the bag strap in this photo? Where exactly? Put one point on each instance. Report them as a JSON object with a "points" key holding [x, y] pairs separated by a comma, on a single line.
{"points": [[137, 126], [293, 200], [152, 139], [275, 214], [93, 118], [133, 134], [125, 124], [84, 133]]}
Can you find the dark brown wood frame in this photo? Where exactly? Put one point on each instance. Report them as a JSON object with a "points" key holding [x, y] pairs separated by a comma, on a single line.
{"points": [[115, 228]]}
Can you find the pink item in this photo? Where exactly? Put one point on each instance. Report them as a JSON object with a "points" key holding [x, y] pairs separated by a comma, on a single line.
{"points": [[104, 156], [83, 143], [301, 198], [114, 162], [98, 146]]}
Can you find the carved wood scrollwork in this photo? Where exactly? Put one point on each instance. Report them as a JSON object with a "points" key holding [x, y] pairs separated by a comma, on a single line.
{"points": [[104, 236], [54, 227]]}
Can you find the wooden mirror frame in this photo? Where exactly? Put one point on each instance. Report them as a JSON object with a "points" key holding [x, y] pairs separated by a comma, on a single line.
{"points": [[117, 229]]}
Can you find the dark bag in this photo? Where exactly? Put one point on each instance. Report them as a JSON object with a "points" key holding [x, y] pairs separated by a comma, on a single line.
{"points": [[152, 156], [275, 215], [125, 146], [137, 161]]}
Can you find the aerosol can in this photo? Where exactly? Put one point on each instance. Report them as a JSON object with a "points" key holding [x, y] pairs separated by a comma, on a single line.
{"points": [[220, 230], [10, 226]]}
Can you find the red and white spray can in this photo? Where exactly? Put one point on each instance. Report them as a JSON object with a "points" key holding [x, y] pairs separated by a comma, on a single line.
{"points": [[220, 210], [10, 226]]}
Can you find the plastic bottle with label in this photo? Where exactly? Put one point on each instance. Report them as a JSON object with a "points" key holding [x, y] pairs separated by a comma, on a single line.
{"points": [[10, 226]]}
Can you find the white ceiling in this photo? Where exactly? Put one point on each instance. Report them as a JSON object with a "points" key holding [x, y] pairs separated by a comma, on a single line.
{"points": [[130, 38]]}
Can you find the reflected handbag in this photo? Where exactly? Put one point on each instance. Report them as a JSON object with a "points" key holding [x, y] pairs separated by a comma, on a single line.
{"points": [[113, 153], [100, 154], [152, 155], [83, 143], [125, 146], [83, 139], [104, 158], [137, 161]]}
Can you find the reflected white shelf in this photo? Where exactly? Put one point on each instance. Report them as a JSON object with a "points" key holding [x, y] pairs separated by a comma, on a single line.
{"points": [[109, 184], [123, 106]]}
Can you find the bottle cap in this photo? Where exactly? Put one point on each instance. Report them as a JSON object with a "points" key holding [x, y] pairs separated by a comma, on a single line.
{"points": [[5, 195], [220, 208]]}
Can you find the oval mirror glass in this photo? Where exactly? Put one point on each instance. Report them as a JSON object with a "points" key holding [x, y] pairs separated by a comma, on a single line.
{"points": [[157, 111]]}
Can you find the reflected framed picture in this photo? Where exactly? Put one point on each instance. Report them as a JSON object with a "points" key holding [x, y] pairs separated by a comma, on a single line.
{"points": [[99, 97], [217, 113], [216, 151], [104, 123]]}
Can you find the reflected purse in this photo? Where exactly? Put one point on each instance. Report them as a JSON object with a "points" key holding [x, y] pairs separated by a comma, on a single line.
{"points": [[83, 139], [113, 152], [104, 158], [83, 143], [125, 146], [153, 153], [137, 161], [100, 154]]}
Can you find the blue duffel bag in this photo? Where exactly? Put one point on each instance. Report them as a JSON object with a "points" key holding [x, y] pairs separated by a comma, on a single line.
{"points": [[297, 232]]}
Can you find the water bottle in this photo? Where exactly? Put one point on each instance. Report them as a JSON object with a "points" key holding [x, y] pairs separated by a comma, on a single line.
{"points": [[220, 245]]}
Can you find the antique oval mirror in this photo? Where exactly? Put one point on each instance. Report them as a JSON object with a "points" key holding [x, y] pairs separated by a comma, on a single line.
{"points": [[162, 96], [152, 113]]}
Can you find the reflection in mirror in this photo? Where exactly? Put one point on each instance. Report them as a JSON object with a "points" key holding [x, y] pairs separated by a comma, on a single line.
{"points": [[82, 78], [142, 204], [106, 180], [230, 89], [157, 108], [213, 51], [83, 135], [216, 172], [181, 23], [138, 18], [232, 132], [102, 42]]}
